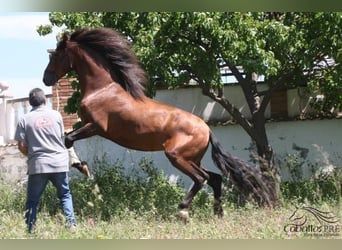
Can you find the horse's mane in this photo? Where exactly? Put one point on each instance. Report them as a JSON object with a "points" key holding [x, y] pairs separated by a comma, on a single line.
{"points": [[124, 65]]}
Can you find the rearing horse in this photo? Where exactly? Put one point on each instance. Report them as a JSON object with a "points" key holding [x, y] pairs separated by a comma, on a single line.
{"points": [[114, 106]]}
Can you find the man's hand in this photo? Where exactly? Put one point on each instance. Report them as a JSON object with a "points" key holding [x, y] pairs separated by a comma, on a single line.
{"points": [[82, 167], [22, 147]]}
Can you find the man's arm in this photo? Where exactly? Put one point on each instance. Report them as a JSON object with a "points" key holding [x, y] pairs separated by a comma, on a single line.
{"points": [[22, 147]]}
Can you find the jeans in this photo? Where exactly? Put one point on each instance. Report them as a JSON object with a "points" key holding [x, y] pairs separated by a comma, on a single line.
{"points": [[35, 188]]}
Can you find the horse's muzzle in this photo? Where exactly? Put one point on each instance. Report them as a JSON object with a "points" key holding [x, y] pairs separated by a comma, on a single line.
{"points": [[50, 78]]}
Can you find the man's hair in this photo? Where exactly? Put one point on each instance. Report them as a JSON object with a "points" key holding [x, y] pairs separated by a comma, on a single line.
{"points": [[37, 97]]}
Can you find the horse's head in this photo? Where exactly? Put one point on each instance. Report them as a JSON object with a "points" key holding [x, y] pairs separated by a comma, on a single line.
{"points": [[59, 63], [99, 57]]}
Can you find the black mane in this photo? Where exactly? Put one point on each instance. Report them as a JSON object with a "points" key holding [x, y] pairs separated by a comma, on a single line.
{"points": [[124, 64]]}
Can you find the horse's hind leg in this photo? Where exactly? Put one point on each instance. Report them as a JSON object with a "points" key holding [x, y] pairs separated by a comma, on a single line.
{"points": [[185, 204], [195, 172], [215, 181]]}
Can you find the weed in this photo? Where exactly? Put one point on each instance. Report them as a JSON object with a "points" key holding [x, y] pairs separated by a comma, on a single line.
{"points": [[144, 204]]}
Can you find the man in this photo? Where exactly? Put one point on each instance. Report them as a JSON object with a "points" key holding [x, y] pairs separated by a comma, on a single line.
{"points": [[40, 137]]}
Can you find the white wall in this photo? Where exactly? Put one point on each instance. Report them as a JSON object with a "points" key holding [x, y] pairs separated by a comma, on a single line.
{"points": [[320, 138], [11, 110], [192, 100]]}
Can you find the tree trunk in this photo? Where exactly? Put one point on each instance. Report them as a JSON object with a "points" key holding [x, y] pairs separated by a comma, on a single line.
{"points": [[265, 152], [258, 134], [256, 130]]}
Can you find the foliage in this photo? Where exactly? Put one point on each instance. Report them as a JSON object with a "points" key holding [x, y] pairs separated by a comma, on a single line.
{"points": [[118, 205], [116, 193], [324, 184], [294, 163], [248, 222], [12, 198], [178, 46], [73, 103], [311, 191]]}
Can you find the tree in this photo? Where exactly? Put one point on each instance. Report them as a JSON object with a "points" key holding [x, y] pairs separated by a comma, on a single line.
{"points": [[287, 49]]}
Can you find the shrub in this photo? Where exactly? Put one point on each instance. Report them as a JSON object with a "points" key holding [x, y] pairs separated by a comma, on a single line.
{"points": [[114, 192], [12, 198], [316, 190]]}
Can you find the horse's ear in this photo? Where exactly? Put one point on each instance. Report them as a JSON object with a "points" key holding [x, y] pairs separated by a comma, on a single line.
{"points": [[66, 36]]}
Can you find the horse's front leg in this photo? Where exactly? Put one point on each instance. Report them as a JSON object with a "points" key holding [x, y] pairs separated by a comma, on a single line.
{"points": [[86, 131]]}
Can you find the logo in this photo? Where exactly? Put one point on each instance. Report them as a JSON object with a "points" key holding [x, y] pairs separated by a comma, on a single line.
{"points": [[43, 122], [311, 221]]}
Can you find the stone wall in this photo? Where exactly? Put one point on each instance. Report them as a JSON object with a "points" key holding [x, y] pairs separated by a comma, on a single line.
{"points": [[13, 166]]}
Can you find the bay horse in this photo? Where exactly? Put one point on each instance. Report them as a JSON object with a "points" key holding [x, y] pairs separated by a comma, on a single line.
{"points": [[114, 106]]}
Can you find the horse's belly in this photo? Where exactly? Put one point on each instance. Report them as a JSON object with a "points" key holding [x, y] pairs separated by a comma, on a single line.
{"points": [[150, 129], [142, 142]]}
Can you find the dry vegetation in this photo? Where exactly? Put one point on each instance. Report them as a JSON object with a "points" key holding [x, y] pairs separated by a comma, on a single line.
{"points": [[246, 223]]}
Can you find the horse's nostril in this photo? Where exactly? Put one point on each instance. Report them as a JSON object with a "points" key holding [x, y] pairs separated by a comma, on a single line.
{"points": [[49, 78]]}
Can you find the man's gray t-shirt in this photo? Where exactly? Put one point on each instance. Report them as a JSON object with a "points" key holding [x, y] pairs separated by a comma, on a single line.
{"points": [[42, 130]]}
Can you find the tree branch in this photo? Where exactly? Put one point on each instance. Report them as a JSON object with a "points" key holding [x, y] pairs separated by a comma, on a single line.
{"points": [[232, 110], [219, 98], [236, 73], [248, 85]]}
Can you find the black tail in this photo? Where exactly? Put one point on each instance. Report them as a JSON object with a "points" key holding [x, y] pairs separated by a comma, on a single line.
{"points": [[244, 176]]}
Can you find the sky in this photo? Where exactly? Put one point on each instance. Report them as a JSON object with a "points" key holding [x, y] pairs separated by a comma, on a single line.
{"points": [[23, 53]]}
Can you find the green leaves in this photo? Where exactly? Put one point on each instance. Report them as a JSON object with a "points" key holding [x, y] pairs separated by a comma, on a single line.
{"points": [[44, 30], [175, 47]]}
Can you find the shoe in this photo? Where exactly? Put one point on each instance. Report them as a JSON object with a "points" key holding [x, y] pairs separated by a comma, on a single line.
{"points": [[82, 167], [72, 228], [31, 230], [31, 227]]}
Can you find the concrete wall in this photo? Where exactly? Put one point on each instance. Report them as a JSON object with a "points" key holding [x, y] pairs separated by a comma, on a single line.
{"points": [[318, 141], [191, 99]]}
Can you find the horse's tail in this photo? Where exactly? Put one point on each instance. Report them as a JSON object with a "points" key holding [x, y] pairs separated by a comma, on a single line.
{"points": [[246, 177]]}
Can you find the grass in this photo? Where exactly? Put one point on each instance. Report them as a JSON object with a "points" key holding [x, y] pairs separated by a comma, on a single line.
{"points": [[238, 223], [144, 206]]}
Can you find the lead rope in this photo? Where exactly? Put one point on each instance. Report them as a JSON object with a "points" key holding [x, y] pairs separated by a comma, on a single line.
{"points": [[57, 96], [73, 157]]}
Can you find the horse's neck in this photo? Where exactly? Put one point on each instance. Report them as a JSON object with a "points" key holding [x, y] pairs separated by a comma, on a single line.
{"points": [[112, 93], [92, 75], [91, 84]]}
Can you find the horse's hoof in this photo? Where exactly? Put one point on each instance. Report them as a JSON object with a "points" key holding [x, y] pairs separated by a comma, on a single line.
{"points": [[68, 143], [184, 214]]}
